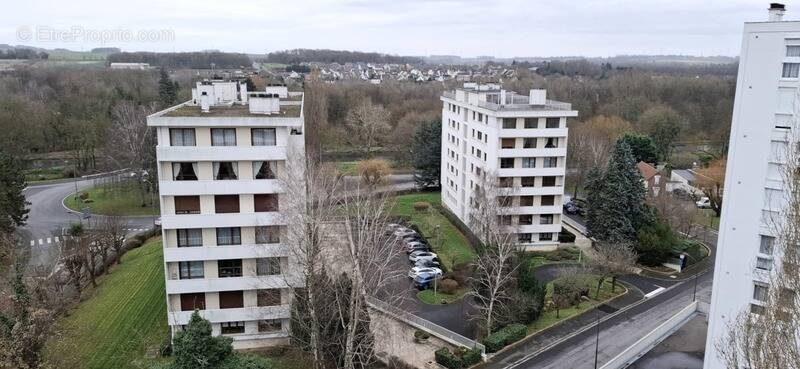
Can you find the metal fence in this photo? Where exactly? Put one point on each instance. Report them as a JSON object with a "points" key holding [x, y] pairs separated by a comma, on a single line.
{"points": [[425, 325]]}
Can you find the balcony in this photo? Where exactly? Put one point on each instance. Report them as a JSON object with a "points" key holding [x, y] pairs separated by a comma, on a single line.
{"points": [[220, 153], [539, 228], [532, 132], [170, 221], [232, 315], [530, 172], [226, 284], [532, 210], [537, 152], [182, 188], [175, 254]]}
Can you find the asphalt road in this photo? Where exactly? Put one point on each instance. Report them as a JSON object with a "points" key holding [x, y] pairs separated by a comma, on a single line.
{"points": [[47, 216]]}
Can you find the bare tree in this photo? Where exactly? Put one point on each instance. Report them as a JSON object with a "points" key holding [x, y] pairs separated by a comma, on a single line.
{"points": [[711, 180], [74, 250], [368, 125], [112, 234], [612, 260], [132, 144], [767, 336], [494, 267], [679, 214]]}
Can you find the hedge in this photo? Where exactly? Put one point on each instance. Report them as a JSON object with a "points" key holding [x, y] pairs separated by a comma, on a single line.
{"points": [[505, 336], [447, 359], [471, 357]]}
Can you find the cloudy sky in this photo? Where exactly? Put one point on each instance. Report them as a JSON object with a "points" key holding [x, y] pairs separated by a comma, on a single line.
{"points": [[502, 28]]}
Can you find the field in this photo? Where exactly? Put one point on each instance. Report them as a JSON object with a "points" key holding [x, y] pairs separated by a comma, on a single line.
{"points": [[120, 320], [451, 246], [122, 199]]}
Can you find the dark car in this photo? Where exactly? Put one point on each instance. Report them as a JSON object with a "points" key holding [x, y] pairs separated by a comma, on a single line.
{"points": [[427, 263], [423, 281], [576, 206]]}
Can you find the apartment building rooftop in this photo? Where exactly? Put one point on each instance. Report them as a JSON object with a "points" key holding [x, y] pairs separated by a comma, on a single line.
{"points": [[235, 110], [492, 96]]}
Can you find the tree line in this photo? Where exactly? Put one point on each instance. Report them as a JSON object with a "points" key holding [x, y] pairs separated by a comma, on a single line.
{"points": [[296, 56], [193, 60]]}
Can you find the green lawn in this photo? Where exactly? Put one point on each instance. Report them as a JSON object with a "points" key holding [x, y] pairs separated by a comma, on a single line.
{"points": [[706, 218], [123, 200], [431, 298], [451, 246], [44, 174], [563, 255], [348, 168], [120, 320], [548, 317]]}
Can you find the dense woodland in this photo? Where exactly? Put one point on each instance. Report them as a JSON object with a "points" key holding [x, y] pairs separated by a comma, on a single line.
{"points": [[296, 56]]}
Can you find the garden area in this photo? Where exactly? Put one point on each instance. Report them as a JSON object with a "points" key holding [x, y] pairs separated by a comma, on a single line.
{"points": [[118, 198]]}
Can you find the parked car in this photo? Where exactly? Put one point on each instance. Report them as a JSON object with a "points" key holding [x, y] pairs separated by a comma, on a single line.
{"points": [[415, 271], [416, 246], [421, 255], [703, 203], [424, 281], [391, 227], [682, 194], [575, 206], [413, 238], [427, 263], [404, 232]]}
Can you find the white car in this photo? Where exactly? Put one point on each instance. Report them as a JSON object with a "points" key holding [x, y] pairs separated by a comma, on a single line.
{"points": [[703, 203], [403, 232], [415, 271], [421, 255]]}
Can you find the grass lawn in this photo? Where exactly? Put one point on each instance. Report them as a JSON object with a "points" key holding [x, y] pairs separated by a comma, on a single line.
{"points": [[452, 247], [121, 319], [121, 201], [706, 218], [562, 255], [428, 297], [548, 317], [348, 168], [44, 174]]}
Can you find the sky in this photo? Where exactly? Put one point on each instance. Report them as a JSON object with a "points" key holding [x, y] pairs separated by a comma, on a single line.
{"points": [[500, 28]]}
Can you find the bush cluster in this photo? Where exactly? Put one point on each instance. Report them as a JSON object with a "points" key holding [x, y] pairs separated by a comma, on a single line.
{"points": [[504, 337], [463, 358]]}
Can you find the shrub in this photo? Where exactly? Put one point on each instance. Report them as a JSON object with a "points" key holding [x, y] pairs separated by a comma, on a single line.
{"points": [[470, 357], [656, 243], [447, 359], [373, 171], [422, 206], [421, 335], [504, 337], [84, 196], [448, 286], [461, 273]]}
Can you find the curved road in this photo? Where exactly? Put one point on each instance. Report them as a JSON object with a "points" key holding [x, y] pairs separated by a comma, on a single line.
{"points": [[47, 216]]}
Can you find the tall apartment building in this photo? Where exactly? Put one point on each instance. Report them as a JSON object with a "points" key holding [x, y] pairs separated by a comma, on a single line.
{"points": [[521, 139], [763, 113], [220, 159]]}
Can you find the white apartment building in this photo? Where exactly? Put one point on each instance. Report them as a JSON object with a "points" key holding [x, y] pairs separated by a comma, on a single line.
{"points": [[763, 113], [220, 159], [522, 140]]}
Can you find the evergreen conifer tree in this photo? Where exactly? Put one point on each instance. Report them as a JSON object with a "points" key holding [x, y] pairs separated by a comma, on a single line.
{"points": [[426, 151]]}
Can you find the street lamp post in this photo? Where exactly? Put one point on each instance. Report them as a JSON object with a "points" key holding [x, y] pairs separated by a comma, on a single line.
{"points": [[597, 332]]}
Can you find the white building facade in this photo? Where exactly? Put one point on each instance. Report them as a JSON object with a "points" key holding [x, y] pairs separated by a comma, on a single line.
{"points": [[221, 157], [520, 139], [763, 117]]}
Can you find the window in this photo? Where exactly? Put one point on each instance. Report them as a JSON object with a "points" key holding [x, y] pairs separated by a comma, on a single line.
{"points": [[767, 245], [545, 236], [480, 135], [505, 220], [531, 122], [504, 201], [763, 263], [793, 51], [553, 122], [190, 237], [226, 170], [181, 137], [506, 182], [192, 301], [526, 201], [265, 202], [226, 204], [546, 219], [264, 169], [268, 266], [529, 162], [270, 297], [756, 309], [231, 299], [529, 143], [232, 327], [480, 117], [790, 70], [528, 181], [229, 268], [550, 162], [524, 237], [223, 136], [509, 123], [229, 236], [187, 204], [263, 136], [184, 171], [506, 162], [268, 234], [526, 219], [508, 143], [548, 181], [552, 143], [760, 292], [269, 325], [548, 200], [190, 270]]}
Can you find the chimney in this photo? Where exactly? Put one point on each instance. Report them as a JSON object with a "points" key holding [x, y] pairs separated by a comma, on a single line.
{"points": [[776, 11]]}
